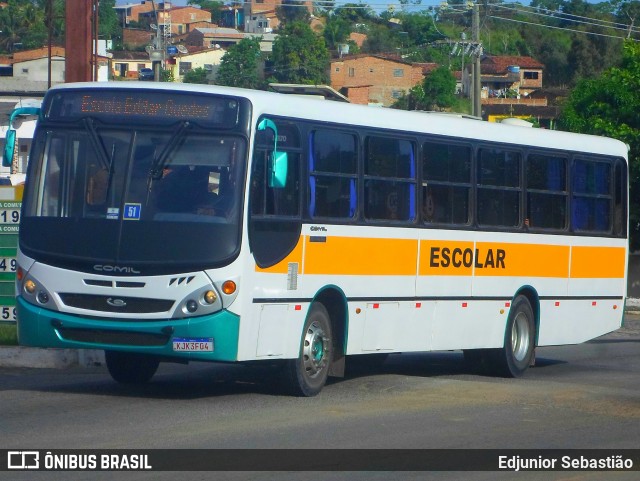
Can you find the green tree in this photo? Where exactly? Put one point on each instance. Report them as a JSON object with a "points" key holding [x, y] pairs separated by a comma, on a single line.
{"points": [[355, 12], [22, 22], [439, 89], [435, 92], [292, 11], [109, 28], [195, 76], [609, 106], [300, 56], [380, 39], [241, 65], [336, 31]]}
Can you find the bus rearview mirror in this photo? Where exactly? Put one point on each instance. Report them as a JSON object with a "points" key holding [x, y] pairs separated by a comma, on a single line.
{"points": [[278, 163], [278, 170], [9, 148], [10, 138]]}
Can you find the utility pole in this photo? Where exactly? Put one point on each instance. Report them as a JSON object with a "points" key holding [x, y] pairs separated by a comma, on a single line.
{"points": [[78, 41], [475, 93]]}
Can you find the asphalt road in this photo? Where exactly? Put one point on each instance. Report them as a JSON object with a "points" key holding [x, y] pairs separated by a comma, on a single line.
{"points": [[576, 397]]}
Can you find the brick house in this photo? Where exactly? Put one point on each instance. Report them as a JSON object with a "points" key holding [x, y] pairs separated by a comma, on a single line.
{"points": [[183, 17], [221, 37], [375, 79], [506, 79], [133, 38], [260, 15], [131, 12], [209, 37], [126, 64]]}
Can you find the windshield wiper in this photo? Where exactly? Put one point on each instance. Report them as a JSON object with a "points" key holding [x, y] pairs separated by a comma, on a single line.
{"points": [[97, 145], [160, 162]]}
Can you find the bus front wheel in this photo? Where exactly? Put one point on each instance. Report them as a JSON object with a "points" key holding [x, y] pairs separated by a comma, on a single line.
{"points": [[519, 340], [307, 375], [129, 367]]}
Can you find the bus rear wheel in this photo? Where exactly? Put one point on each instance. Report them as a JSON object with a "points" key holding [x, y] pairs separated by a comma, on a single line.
{"points": [[129, 367], [307, 375], [519, 340]]}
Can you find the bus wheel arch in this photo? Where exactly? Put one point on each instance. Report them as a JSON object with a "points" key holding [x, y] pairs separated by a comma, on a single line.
{"points": [[327, 316], [306, 374], [520, 335], [335, 301], [520, 338]]}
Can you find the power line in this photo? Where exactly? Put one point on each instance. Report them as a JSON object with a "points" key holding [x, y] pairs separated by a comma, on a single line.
{"points": [[556, 28], [593, 22]]}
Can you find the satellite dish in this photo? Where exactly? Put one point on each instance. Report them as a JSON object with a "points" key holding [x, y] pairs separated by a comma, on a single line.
{"points": [[182, 49]]}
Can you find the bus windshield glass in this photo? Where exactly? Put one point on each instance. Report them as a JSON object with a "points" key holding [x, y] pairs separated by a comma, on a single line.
{"points": [[158, 199]]}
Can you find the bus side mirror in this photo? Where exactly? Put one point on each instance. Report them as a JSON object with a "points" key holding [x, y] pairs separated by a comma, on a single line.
{"points": [[9, 148], [278, 170], [278, 162], [10, 139]]}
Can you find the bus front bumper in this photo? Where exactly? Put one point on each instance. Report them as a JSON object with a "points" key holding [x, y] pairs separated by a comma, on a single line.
{"points": [[212, 337]]}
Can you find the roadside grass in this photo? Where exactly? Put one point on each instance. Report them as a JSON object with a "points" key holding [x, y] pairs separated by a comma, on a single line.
{"points": [[8, 336]]}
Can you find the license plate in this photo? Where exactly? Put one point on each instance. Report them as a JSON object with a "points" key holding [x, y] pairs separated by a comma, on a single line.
{"points": [[190, 344]]}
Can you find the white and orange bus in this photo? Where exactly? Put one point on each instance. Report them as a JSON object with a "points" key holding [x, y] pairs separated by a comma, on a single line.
{"points": [[180, 223]]}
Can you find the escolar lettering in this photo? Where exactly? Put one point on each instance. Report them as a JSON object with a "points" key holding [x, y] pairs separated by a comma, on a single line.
{"points": [[478, 258]]}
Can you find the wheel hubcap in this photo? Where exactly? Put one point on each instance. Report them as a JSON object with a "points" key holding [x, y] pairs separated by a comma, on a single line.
{"points": [[315, 351], [520, 337]]}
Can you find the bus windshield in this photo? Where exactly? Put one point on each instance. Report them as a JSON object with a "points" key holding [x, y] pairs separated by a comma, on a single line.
{"points": [[156, 200]]}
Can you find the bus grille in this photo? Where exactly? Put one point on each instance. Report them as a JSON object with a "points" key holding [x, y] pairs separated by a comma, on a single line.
{"points": [[118, 304], [121, 338]]}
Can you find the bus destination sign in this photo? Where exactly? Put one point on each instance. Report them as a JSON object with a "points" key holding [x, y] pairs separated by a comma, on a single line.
{"points": [[157, 106]]}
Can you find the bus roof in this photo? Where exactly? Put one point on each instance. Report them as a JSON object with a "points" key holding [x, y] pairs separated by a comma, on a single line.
{"points": [[278, 104]]}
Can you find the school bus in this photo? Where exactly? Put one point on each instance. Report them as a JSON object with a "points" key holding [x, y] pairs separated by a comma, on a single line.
{"points": [[202, 223]]}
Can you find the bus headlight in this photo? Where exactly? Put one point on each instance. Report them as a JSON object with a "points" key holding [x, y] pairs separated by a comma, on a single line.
{"points": [[34, 292], [203, 301], [191, 305], [210, 297], [30, 286]]}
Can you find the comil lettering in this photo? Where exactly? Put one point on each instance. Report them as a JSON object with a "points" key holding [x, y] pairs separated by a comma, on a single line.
{"points": [[478, 258]]}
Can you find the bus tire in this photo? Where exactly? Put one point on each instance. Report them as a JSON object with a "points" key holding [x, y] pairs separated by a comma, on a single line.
{"points": [[307, 375], [519, 340], [130, 368]]}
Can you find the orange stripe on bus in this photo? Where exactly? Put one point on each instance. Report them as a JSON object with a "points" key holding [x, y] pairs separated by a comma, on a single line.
{"points": [[522, 260], [379, 257], [597, 262], [361, 256]]}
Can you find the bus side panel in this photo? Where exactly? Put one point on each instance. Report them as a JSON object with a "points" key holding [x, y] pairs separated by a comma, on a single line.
{"points": [[464, 324], [576, 321]]}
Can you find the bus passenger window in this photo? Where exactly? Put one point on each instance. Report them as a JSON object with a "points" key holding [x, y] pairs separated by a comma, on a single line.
{"points": [[446, 183], [498, 187], [620, 199], [591, 200], [546, 191], [390, 179], [332, 174]]}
